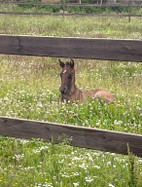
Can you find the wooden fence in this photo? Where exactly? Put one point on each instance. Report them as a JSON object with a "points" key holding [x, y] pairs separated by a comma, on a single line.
{"points": [[104, 49], [64, 4], [71, 14]]}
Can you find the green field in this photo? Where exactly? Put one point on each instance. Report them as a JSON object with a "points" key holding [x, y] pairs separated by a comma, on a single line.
{"points": [[30, 89], [75, 26]]}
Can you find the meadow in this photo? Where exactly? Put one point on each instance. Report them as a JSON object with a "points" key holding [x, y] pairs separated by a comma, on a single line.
{"points": [[30, 89]]}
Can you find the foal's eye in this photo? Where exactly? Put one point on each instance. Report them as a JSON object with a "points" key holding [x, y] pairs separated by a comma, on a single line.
{"points": [[70, 76]]}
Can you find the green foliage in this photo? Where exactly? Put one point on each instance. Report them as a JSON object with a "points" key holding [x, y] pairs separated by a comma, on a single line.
{"points": [[133, 170], [38, 8], [37, 163], [77, 9], [70, 9]]}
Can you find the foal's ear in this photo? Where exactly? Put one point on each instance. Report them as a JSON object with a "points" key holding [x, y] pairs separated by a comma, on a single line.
{"points": [[61, 63], [72, 63]]}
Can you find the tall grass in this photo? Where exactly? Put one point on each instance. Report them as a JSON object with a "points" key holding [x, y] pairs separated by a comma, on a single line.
{"points": [[29, 88], [96, 27], [35, 163]]}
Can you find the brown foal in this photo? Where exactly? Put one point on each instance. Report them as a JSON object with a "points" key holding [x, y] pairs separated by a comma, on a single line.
{"points": [[69, 91]]}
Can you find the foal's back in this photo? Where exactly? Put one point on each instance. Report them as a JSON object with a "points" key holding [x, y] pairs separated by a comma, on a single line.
{"points": [[102, 94]]}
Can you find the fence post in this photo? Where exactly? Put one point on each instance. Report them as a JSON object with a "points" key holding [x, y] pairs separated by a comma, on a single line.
{"points": [[129, 3], [64, 3]]}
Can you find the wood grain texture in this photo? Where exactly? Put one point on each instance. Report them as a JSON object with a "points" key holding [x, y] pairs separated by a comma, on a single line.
{"points": [[104, 140], [88, 48]]}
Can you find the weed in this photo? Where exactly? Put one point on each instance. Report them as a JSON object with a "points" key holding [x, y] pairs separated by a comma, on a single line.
{"points": [[133, 170]]}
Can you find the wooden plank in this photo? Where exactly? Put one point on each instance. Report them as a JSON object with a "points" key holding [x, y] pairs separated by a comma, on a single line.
{"points": [[32, 13], [29, 3], [70, 14], [88, 48], [104, 140]]}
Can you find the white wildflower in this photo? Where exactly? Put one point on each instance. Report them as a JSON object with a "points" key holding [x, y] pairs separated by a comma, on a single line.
{"points": [[88, 179], [111, 185], [76, 158], [98, 167], [17, 157], [76, 183]]}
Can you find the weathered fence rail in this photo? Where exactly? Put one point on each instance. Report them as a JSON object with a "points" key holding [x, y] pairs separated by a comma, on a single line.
{"points": [[71, 14], [104, 140], [88, 48]]}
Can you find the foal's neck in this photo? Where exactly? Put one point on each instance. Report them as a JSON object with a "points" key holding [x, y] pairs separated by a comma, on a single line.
{"points": [[72, 89], [73, 94]]}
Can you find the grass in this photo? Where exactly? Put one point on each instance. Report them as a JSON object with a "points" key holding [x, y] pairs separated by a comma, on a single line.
{"points": [[95, 27], [35, 163], [30, 89]]}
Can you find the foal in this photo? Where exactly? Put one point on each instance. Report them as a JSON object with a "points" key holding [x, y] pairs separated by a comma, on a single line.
{"points": [[69, 91]]}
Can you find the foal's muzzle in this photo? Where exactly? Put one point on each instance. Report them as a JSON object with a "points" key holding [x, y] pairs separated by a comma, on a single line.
{"points": [[63, 90]]}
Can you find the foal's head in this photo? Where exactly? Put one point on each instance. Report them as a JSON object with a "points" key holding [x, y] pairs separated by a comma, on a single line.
{"points": [[67, 76]]}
